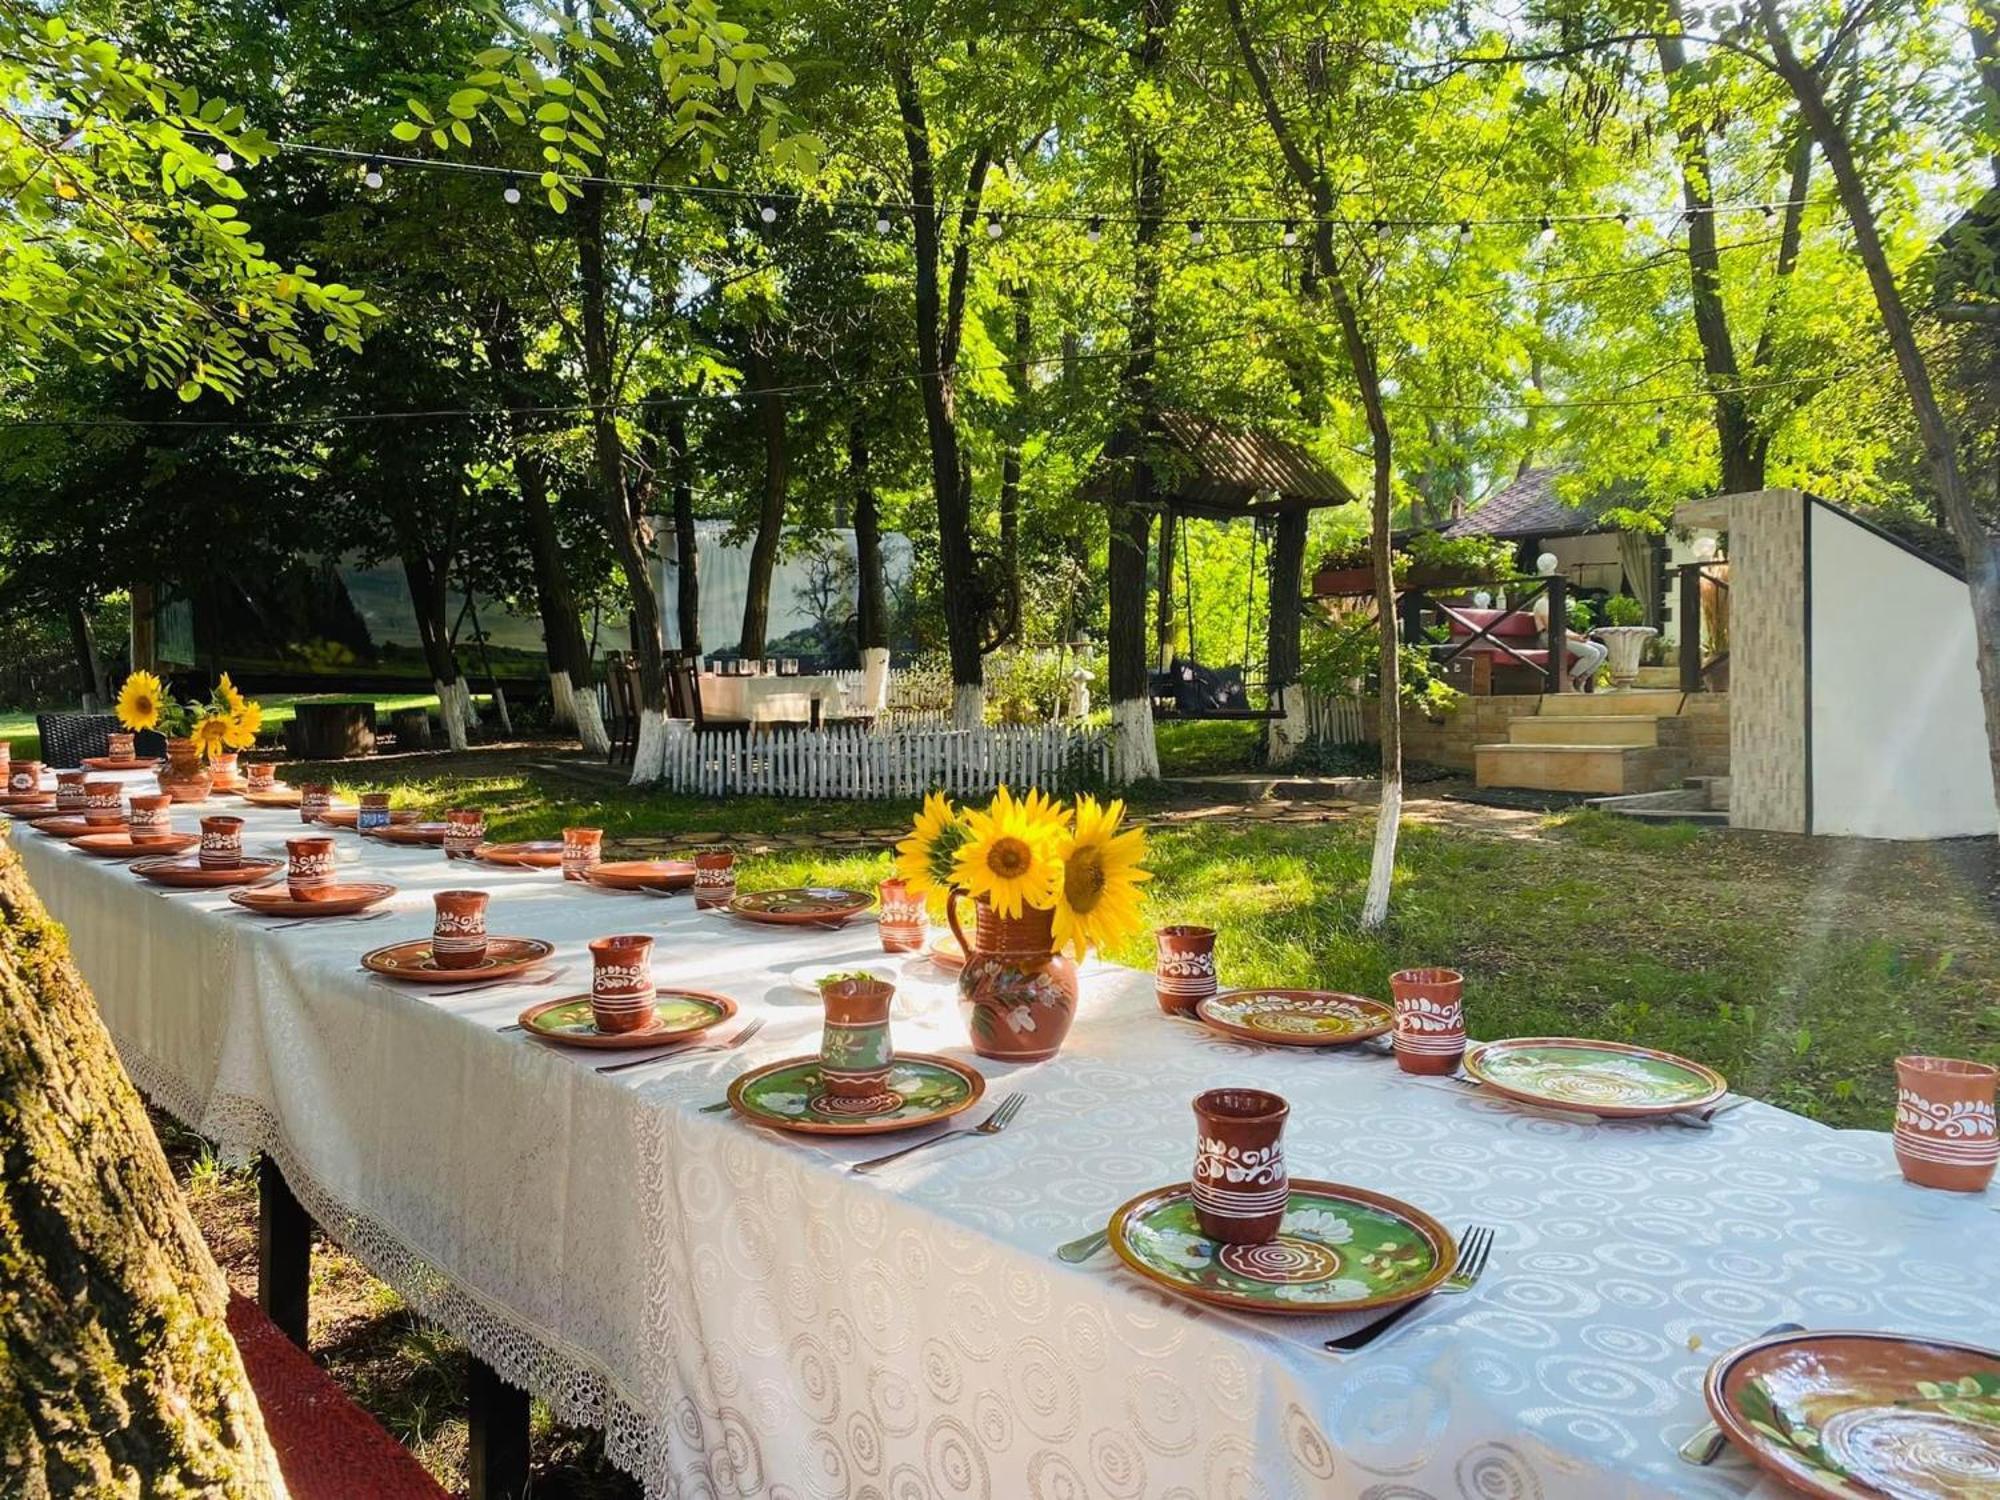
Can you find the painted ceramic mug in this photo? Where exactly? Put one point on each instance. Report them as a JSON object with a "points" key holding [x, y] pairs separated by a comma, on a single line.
{"points": [[373, 812], [24, 777], [621, 982], [309, 867], [583, 849], [103, 806], [1240, 1183], [221, 841], [458, 937], [222, 770], [902, 917], [150, 820], [1430, 1019], [260, 776], [464, 832], [1183, 968], [315, 797], [69, 791], [854, 1049], [120, 745], [1945, 1135], [714, 878]]}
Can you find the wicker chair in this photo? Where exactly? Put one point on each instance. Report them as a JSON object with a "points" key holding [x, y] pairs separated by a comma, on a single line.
{"points": [[68, 739]]}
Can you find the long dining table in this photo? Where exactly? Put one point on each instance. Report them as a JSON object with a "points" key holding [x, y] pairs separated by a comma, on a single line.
{"points": [[744, 1315]]}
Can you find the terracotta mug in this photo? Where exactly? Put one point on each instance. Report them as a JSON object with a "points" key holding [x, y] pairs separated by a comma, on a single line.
{"points": [[221, 841], [714, 878], [260, 776], [119, 745], [24, 777], [1945, 1134], [464, 832], [315, 797], [69, 791], [150, 821], [1430, 1019], [6, 759], [373, 812], [222, 770], [1183, 968], [309, 867], [458, 939], [1240, 1184], [103, 804], [854, 1049], [902, 917], [621, 982], [582, 849]]}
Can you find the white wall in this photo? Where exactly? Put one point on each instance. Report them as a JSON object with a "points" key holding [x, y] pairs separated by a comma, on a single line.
{"points": [[1898, 736]]}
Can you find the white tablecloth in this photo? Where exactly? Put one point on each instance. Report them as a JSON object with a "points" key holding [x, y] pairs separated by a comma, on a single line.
{"points": [[769, 700], [744, 1317]]}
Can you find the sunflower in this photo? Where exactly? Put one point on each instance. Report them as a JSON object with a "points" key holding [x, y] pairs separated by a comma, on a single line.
{"points": [[925, 858], [139, 701], [1009, 858], [1097, 897], [226, 693], [211, 736], [243, 725]]}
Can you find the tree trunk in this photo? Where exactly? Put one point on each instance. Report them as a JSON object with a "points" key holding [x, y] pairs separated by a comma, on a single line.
{"points": [[90, 665], [1010, 462], [940, 311], [871, 608], [1978, 548], [687, 569], [1285, 735], [427, 598], [117, 1372], [770, 516]]}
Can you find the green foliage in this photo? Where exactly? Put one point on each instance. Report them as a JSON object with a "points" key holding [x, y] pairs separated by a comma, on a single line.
{"points": [[1337, 657], [1471, 558], [1623, 609]]}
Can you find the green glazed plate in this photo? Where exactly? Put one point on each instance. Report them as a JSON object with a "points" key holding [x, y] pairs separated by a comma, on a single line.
{"points": [[1296, 1018], [819, 904], [1601, 1078], [1339, 1249], [922, 1089], [678, 1015]]}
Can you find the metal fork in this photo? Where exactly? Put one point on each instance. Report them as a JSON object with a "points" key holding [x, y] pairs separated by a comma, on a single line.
{"points": [[1473, 1249], [1001, 1117], [724, 1046]]}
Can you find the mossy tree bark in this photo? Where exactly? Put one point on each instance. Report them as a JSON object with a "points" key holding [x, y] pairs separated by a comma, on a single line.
{"points": [[117, 1373]]}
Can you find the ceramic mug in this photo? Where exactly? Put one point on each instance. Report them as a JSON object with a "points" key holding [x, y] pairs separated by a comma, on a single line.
{"points": [[464, 832], [902, 917], [222, 770], [309, 867], [1183, 968], [315, 797], [373, 812], [621, 982], [221, 840], [1945, 1135], [103, 806], [582, 849], [24, 778], [69, 791], [714, 878], [1240, 1183], [150, 820], [120, 745], [260, 776], [1430, 1019], [458, 938], [854, 1049]]}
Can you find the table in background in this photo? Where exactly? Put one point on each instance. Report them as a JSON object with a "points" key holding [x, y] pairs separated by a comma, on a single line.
{"points": [[772, 699]]}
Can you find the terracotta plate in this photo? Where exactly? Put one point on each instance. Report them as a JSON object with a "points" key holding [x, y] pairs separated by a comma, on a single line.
{"points": [[278, 796], [534, 854], [410, 833], [75, 827], [1847, 1415], [38, 815], [124, 846], [1600, 1078], [1339, 1249], [27, 801], [817, 905], [644, 874], [678, 1015], [115, 763], [921, 1090], [946, 953], [339, 900], [349, 817], [1296, 1018], [413, 960], [189, 872]]}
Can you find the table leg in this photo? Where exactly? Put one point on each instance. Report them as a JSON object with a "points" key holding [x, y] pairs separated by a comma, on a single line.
{"points": [[284, 1253], [497, 1423]]}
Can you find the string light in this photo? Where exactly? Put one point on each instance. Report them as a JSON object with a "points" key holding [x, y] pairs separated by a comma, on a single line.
{"points": [[1291, 235], [1465, 231], [371, 175], [225, 161], [512, 191], [882, 222], [993, 226], [646, 199], [768, 212], [1548, 234], [1095, 233], [1381, 228], [1196, 234]]}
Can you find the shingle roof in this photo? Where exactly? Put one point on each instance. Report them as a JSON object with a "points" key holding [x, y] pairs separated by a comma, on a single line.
{"points": [[1230, 467], [1527, 508]]}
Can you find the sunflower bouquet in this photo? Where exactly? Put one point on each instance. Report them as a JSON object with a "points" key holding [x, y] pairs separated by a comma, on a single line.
{"points": [[1032, 851], [227, 722]]}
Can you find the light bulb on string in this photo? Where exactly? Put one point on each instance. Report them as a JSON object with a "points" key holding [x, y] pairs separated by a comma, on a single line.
{"points": [[1095, 233], [371, 174], [1548, 234], [1465, 231], [225, 162], [1196, 234], [994, 229], [882, 221], [646, 199], [1381, 228], [512, 191], [768, 212], [1291, 235]]}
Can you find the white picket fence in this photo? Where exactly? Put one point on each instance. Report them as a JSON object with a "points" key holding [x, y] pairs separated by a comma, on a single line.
{"points": [[1335, 721], [847, 761]]}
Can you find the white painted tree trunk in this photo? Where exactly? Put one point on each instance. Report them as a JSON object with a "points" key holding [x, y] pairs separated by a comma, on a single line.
{"points": [[874, 679], [649, 761], [1284, 736], [451, 713], [1134, 754], [1382, 867], [589, 722], [562, 700], [968, 705]]}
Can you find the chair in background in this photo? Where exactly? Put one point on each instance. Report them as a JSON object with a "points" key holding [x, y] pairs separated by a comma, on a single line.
{"points": [[683, 670], [68, 739], [622, 699]]}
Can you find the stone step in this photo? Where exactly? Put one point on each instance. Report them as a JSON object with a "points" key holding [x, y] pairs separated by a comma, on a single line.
{"points": [[1628, 701], [1659, 677], [1607, 770], [1579, 729]]}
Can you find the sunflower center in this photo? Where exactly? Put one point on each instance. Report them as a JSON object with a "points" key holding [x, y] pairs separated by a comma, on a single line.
{"points": [[1083, 881], [1009, 858]]}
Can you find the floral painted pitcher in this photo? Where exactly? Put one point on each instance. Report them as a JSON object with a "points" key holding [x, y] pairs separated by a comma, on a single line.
{"points": [[1017, 994]]}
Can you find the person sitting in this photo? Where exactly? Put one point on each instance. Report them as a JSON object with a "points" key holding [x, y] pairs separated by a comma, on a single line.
{"points": [[1585, 654]]}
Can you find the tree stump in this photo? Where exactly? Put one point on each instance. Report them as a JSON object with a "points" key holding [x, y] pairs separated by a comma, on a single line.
{"points": [[117, 1372], [411, 727], [332, 729]]}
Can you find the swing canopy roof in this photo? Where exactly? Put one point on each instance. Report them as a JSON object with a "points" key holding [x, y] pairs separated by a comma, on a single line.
{"points": [[1217, 471]]}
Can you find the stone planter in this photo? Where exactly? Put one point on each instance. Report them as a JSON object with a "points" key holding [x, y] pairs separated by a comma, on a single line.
{"points": [[1625, 644]]}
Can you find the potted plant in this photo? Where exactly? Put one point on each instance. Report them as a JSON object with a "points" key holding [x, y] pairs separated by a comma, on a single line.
{"points": [[1624, 637], [196, 733], [1347, 569], [1432, 560]]}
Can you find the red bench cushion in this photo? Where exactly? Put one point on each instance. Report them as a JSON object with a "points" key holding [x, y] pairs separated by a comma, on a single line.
{"points": [[1511, 624]]}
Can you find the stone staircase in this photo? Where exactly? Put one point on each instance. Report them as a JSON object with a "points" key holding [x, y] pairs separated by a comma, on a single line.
{"points": [[1609, 744]]}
